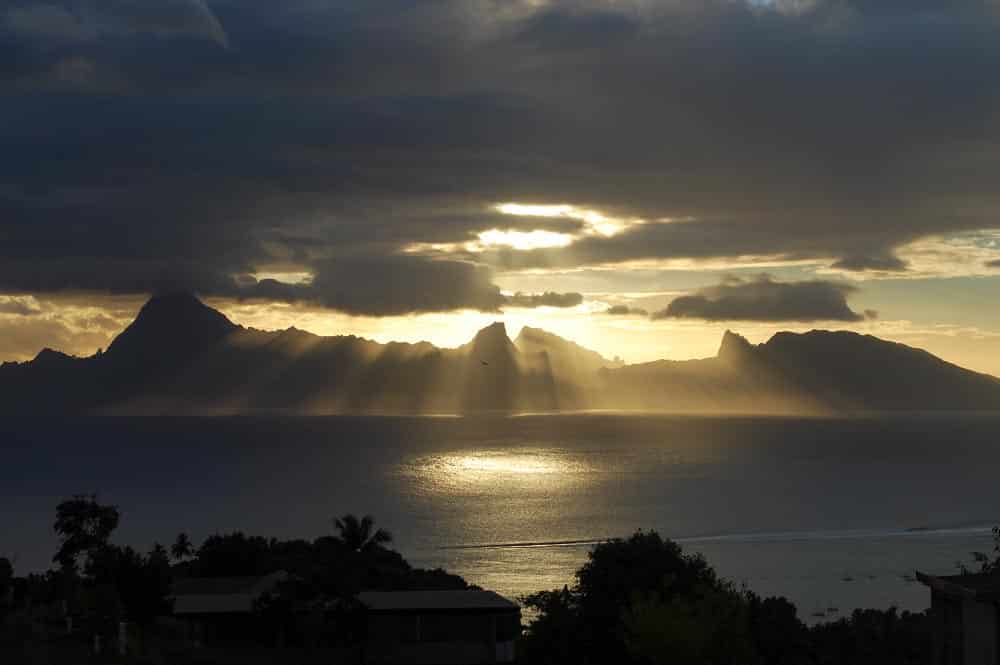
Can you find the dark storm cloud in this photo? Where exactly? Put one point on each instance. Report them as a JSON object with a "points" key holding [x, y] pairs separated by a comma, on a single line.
{"points": [[625, 310], [763, 299], [401, 285], [392, 285], [183, 143]]}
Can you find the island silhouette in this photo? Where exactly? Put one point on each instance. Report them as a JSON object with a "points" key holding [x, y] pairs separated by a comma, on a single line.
{"points": [[181, 356]]}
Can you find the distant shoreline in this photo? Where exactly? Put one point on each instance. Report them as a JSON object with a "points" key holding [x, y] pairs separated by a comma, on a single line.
{"points": [[733, 415], [984, 527]]}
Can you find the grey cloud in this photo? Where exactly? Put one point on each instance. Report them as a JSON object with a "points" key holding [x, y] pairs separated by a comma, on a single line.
{"points": [[18, 306], [560, 27], [401, 285], [117, 276], [625, 310], [885, 262], [89, 20], [715, 238], [51, 21], [763, 299], [384, 286], [165, 17], [547, 299]]}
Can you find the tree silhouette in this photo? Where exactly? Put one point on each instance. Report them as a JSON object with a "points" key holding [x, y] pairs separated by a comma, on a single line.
{"points": [[159, 553], [6, 573], [639, 600], [182, 547], [359, 534], [83, 526], [6, 580], [141, 583]]}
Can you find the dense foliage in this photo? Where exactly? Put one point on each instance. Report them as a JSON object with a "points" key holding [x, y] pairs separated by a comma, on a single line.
{"points": [[643, 601], [6, 586], [97, 584], [636, 601], [988, 563]]}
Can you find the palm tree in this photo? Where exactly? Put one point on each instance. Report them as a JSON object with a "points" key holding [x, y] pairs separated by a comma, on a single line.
{"points": [[182, 547], [159, 552], [360, 534]]}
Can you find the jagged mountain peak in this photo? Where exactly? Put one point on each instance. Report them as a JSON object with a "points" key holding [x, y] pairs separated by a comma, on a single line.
{"points": [[492, 342], [734, 346], [528, 331], [529, 335], [497, 329], [536, 340]]}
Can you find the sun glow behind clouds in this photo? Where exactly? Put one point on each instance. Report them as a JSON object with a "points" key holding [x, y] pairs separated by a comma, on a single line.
{"points": [[597, 223], [594, 223], [524, 240], [285, 277]]}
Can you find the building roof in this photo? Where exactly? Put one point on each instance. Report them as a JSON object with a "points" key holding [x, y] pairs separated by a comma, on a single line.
{"points": [[222, 595], [435, 601], [979, 586]]}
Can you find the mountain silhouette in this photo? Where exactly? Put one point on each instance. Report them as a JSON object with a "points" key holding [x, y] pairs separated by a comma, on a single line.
{"points": [[181, 356], [495, 385], [174, 326]]}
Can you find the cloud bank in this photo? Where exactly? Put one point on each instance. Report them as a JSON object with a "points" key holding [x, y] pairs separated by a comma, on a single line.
{"points": [[177, 143], [625, 310], [763, 299]]}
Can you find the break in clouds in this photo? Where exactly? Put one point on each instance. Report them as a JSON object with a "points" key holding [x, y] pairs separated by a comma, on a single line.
{"points": [[206, 144]]}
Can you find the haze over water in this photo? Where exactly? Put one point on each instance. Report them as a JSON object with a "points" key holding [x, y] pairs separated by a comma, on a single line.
{"points": [[830, 513]]}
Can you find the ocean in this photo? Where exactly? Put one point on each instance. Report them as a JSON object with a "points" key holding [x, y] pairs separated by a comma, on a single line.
{"points": [[834, 514]]}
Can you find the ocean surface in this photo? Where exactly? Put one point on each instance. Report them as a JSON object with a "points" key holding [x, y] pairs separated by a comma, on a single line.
{"points": [[833, 514]]}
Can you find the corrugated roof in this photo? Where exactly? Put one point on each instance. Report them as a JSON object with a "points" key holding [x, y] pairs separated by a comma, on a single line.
{"points": [[979, 586], [202, 586], [409, 601], [233, 603], [212, 595]]}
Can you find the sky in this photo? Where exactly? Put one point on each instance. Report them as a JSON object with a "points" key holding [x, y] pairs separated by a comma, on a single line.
{"points": [[635, 175]]}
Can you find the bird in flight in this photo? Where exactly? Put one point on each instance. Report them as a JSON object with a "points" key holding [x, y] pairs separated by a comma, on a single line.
{"points": [[484, 362]]}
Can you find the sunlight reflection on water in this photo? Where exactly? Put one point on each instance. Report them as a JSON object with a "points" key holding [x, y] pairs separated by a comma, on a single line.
{"points": [[829, 513], [526, 469]]}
